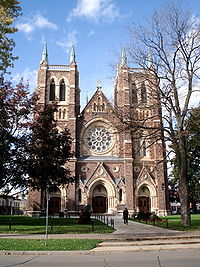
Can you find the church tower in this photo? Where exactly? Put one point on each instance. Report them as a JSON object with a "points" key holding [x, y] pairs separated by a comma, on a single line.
{"points": [[137, 100], [59, 83]]}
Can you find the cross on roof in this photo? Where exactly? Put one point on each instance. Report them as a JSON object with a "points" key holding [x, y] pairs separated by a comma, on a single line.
{"points": [[99, 83]]}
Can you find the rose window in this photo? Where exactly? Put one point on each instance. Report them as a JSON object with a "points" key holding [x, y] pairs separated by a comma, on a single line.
{"points": [[98, 139]]}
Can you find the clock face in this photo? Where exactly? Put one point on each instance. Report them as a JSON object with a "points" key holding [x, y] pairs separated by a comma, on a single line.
{"points": [[98, 139]]}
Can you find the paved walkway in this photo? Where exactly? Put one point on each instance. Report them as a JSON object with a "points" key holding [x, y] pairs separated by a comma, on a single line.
{"points": [[132, 231]]}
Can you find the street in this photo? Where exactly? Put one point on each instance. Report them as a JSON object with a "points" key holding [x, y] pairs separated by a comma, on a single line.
{"points": [[155, 258]]}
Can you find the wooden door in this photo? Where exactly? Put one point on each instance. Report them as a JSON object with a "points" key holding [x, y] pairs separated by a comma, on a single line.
{"points": [[99, 204], [54, 205], [144, 204]]}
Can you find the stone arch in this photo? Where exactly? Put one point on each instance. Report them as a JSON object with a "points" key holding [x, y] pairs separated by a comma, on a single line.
{"points": [[149, 192], [55, 202], [109, 193]]}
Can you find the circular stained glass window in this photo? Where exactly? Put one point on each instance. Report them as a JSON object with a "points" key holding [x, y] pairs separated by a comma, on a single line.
{"points": [[98, 139]]}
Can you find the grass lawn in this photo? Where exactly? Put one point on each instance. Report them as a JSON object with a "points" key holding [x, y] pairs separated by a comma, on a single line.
{"points": [[29, 225], [174, 223], [53, 244]]}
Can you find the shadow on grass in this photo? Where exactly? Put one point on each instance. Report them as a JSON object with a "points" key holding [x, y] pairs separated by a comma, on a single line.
{"points": [[28, 225]]}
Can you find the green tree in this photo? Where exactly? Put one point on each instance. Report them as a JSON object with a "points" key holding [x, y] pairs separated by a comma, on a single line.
{"points": [[15, 109], [167, 47], [193, 152], [49, 151], [9, 11], [194, 156]]}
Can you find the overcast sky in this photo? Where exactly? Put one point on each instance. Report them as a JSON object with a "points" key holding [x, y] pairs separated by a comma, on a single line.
{"points": [[97, 28]]}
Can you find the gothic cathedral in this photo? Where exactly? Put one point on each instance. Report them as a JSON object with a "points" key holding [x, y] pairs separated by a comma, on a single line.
{"points": [[114, 166]]}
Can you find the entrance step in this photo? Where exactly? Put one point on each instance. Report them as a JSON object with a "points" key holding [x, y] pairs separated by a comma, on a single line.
{"points": [[146, 245], [149, 242]]}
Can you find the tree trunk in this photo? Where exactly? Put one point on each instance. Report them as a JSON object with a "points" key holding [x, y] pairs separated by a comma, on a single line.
{"points": [[185, 204], [183, 185]]}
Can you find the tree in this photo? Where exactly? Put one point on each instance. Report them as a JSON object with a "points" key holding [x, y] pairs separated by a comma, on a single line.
{"points": [[193, 150], [167, 48], [49, 151], [15, 109], [9, 11]]}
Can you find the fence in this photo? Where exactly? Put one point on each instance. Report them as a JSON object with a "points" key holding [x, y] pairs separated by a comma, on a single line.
{"points": [[105, 219], [156, 222]]}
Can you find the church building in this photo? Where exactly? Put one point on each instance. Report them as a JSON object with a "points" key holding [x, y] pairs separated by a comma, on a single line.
{"points": [[115, 165]]}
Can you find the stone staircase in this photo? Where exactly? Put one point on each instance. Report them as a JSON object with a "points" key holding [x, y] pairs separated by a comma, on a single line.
{"points": [[149, 244]]}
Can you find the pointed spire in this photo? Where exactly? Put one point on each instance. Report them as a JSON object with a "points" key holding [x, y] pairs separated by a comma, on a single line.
{"points": [[124, 58], [72, 55], [149, 59], [118, 66], [45, 54]]}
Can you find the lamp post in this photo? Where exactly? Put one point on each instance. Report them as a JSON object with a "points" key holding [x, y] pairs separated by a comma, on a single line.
{"points": [[47, 216]]}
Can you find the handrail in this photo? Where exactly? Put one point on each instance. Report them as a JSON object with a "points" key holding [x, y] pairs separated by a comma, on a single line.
{"points": [[105, 219]]}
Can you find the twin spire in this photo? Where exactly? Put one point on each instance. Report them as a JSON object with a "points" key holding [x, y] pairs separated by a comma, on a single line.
{"points": [[124, 58], [149, 60], [73, 57], [45, 55]]}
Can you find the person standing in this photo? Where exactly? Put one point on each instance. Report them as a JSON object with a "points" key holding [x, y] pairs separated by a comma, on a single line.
{"points": [[125, 216]]}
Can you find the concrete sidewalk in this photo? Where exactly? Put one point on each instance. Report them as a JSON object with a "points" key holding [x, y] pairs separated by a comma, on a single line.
{"points": [[131, 232], [132, 237]]}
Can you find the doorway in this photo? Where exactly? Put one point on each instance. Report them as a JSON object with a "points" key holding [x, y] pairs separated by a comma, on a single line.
{"points": [[54, 205], [144, 204], [99, 204]]}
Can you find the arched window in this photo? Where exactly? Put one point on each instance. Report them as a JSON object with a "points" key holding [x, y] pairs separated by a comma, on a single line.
{"points": [[52, 91], [98, 101], [141, 145], [64, 113], [59, 113], [62, 90], [120, 195], [143, 93], [99, 104], [134, 94], [95, 107], [79, 195], [144, 148], [103, 107]]}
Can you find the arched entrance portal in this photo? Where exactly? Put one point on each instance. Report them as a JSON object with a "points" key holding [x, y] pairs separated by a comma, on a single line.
{"points": [[144, 199], [54, 202], [99, 199]]}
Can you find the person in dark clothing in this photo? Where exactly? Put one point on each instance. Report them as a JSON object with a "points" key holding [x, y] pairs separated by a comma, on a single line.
{"points": [[125, 216]]}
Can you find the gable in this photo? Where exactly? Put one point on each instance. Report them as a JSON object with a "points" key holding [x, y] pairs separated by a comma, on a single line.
{"points": [[145, 177], [100, 172], [98, 104]]}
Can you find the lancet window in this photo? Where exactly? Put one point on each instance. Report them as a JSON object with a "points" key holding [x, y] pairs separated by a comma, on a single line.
{"points": [[143, 93], [62, 90], [134, 94], [52, 91]]}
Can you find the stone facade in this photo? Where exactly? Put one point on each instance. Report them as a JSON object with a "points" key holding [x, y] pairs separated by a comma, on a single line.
{"points": [[114, 167]]}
